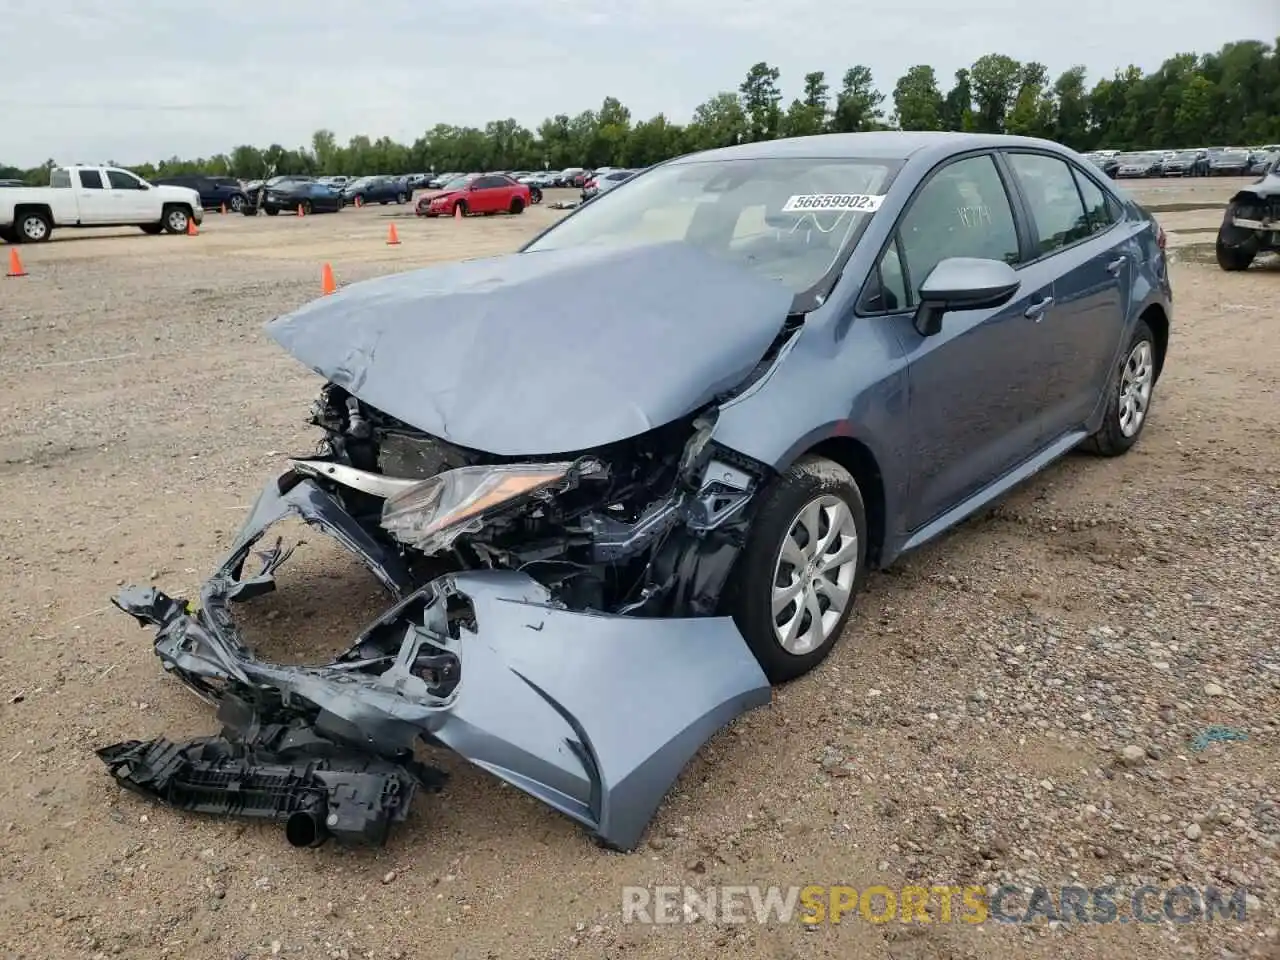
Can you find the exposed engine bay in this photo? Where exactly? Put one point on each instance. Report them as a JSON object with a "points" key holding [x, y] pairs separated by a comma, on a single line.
{"points": [[1251, 224], [642, 527]]}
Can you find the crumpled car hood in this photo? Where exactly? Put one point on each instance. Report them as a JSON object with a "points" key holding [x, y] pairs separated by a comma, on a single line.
{"points": [[549, 352]]}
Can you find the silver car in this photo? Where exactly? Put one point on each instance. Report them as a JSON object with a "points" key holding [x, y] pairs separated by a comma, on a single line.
{"points": [[604, 182]]}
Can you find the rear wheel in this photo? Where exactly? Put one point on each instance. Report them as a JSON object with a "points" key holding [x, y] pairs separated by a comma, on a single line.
{"points": [[401, 198], [33, 226], [517, 205], [272, 211], [460, 208], [794, 584], [1129, 396]]}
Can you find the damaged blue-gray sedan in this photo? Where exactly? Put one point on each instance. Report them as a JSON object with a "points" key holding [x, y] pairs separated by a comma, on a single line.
{"points": [[620, 482]]}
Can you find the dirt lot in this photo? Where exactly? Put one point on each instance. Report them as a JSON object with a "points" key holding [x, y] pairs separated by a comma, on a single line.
{"points": [[968, 731]]}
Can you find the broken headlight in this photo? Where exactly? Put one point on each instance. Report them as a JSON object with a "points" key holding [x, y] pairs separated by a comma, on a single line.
{"points": [[430, 515]]}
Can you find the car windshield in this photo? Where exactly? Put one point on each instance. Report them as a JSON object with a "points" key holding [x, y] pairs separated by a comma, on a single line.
{"points": [[789, 219], [1232, 155], [458, 183], [1186, 155]]}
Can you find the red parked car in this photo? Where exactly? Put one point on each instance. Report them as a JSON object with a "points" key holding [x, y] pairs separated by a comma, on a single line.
{"points": [[476, 193]]}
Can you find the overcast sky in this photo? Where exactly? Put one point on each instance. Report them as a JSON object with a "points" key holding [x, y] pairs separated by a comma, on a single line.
{"points": [[138, 80]]}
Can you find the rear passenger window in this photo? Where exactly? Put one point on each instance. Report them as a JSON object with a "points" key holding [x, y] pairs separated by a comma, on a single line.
{"points": [[90, 179], [1055, 202], [963, 211], [1101, 212]]}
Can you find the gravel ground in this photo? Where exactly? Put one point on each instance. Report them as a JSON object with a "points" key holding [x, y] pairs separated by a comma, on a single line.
{"points": [[1018, 703]]}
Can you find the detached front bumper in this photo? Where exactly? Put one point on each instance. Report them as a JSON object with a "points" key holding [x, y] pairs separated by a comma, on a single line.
{"points": [[593, 714]]}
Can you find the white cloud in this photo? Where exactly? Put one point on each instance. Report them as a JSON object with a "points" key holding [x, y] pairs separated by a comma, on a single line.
{"points": [[135, 80]]}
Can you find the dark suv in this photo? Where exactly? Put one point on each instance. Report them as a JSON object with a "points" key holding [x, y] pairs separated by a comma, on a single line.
{"points": [[214, 191]]}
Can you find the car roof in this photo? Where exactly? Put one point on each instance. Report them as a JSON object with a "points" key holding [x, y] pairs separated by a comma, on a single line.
{"points": [[878, 145]]}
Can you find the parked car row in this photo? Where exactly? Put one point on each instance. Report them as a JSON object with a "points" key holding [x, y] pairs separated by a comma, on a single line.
{"points": [[1196, 162]]}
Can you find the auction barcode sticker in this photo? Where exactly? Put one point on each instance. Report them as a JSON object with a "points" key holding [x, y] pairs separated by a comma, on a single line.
{"points": [[833, 202]]}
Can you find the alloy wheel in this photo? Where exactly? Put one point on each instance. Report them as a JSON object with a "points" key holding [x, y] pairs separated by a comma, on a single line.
{"points": [[814, 574], [1136, 381]]}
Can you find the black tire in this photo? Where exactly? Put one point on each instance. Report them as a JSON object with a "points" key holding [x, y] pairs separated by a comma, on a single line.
{"points": [[1110, 439], [460, 205], [1231, 257], [249, 210], [32, 226], [401, 198], [748, 595], [152, 229], [517, 206], [535, 195], [175, 218], [272, 211], [306, 207], [236, 203]]}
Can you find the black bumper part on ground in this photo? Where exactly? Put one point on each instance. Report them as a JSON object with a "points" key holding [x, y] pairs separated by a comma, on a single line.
{"points": [[279, 772]]}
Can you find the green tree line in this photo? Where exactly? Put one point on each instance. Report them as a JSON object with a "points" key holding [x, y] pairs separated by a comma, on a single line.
{"points": [[1231, 97]]}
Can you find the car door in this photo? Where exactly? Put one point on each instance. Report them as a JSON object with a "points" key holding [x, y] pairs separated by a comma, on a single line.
{"points": [[484, 195], [130, 198], [93, 196], [974, 387], [1074, 229]]}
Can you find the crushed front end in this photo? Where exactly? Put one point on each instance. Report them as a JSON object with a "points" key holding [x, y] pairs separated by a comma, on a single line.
{"points": [[553, 621]]}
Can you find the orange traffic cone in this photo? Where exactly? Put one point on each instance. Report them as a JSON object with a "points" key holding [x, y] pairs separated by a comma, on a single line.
{"points": [[327, 286], [191, 227], [359, 202], [457, 211], [300, 213], [393, 238], [15, 264], [224, 208]]}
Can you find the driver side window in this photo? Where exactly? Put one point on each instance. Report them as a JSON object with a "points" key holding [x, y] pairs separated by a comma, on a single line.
{"points": [[963, 211]]}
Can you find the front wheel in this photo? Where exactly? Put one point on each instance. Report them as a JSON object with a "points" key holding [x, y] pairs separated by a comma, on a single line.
{"points": [[236, 204], [460, 208], [401, 198], [1129, 394], [517, 205], [793, 587], [306, 208], [176, 220], [535, 195]]}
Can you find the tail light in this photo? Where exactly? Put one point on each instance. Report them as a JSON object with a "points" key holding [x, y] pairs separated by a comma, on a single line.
{"points": [[1160, 237]]}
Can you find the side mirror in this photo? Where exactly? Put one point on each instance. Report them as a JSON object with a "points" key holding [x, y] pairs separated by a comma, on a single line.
{"points": [[963, 283]]}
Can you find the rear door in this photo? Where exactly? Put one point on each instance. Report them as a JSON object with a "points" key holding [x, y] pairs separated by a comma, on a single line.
{"points": [[1078, 235], [93, 196]]}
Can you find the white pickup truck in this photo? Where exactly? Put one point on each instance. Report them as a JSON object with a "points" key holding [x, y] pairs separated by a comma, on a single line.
{"points": [[94, 197]]}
